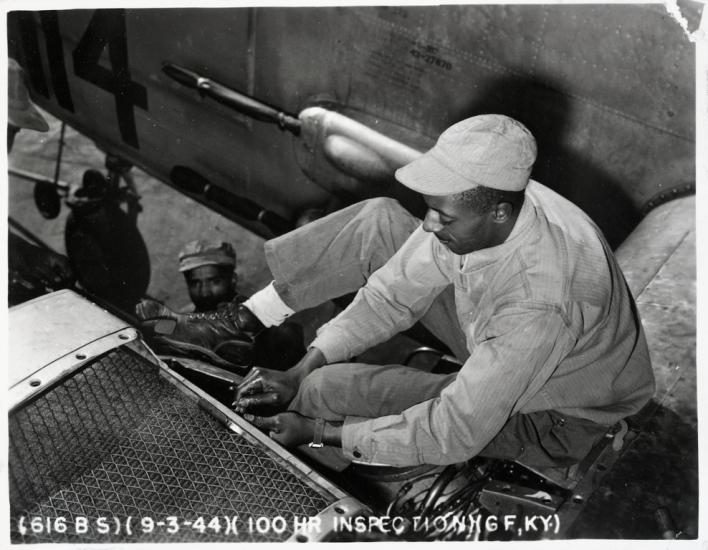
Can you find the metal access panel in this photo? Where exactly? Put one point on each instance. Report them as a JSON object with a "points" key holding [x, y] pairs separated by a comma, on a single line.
{"points": [[123, 450]]}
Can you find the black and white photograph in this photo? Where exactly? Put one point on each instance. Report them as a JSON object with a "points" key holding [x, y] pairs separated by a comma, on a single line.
{"points": [[349, 272]]}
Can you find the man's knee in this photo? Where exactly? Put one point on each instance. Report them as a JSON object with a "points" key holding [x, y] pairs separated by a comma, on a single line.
{"points": [[315, 394], [325, 392], [385, 205], [384, 223], [313, 384], [388, 212]]}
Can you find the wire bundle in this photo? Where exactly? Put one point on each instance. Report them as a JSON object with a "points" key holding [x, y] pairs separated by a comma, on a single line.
{"points": [[444, 509]]}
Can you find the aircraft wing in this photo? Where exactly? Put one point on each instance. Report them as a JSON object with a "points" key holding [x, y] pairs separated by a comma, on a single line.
{"points": [[608, 91]]}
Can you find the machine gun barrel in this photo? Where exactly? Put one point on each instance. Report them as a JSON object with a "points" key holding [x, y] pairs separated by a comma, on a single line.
{"points": [[186, 179], [242, 103]]}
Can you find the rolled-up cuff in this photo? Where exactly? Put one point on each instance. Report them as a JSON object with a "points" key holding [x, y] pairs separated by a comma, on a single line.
{"points": [[267, 305], [357, 445], [328, 456], [330, 347]]}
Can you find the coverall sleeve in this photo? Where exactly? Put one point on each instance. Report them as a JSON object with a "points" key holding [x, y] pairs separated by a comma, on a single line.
{"points": [[394, 297], [523, 346]]}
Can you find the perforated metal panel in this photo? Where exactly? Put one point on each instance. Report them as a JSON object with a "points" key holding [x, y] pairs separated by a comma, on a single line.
{"points": [[118, 441]]}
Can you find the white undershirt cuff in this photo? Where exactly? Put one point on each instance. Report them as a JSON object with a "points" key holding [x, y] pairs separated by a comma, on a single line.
{"points": [[268, 306]]}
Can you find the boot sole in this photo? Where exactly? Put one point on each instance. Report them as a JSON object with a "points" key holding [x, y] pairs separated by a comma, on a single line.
{"points": [[168, 346]]}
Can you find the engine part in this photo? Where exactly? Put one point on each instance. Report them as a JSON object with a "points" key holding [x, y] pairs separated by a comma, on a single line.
{"points": [[108, 445]]}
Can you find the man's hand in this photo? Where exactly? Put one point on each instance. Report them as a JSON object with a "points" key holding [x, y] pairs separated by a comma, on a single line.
{"points": [[265, 387], [288, 428], [275, 388]]}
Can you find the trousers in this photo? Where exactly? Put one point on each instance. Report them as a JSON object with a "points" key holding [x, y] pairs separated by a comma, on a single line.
{"points": [[334, 256]]}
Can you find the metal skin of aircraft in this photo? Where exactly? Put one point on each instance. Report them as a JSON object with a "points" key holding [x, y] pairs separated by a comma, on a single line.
{"points": [[268, 115]]}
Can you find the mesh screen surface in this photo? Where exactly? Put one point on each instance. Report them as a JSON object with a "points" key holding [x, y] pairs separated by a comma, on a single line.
{"points": [[117, 440]]}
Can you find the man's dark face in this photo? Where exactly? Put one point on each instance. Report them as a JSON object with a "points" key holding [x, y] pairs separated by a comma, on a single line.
{"points": [[210, 285], [458, 227]]}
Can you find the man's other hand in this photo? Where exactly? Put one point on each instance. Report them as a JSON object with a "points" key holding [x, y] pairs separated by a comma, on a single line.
{"points": [[288, 428], [265, 387]]}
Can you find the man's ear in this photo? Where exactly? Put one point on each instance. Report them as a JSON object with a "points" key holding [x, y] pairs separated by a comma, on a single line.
{"points": [[502, 212]]}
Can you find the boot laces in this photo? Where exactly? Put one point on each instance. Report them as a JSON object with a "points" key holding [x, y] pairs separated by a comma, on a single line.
{"points": [[222, 314]]}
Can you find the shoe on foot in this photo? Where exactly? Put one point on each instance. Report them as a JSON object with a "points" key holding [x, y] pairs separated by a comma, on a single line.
{"points": [[229, 331]]}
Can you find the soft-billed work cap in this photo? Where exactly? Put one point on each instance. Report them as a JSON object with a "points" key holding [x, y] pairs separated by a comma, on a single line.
{"points": [[199, 253], [21, 112], [490, 150]]}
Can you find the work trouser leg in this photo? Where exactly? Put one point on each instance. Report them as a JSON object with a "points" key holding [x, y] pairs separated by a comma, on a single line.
{"points": [[543, 439], [335, 255], [334, 392]]}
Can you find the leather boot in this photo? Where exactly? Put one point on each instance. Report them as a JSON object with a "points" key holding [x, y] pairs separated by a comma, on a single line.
{"points": [[229, 331]]}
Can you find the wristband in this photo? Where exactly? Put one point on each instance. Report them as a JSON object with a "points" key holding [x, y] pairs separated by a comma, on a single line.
{"points": [[316, 442]]}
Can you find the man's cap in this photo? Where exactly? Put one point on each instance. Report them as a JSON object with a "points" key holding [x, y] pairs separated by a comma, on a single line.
{"points": [[491, 150], [21, 112], [202, 252]]}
